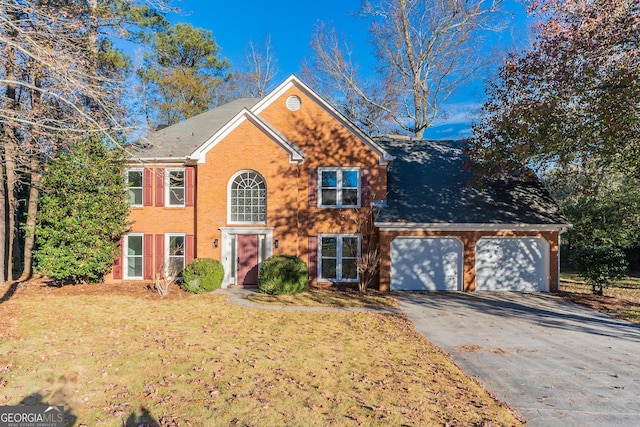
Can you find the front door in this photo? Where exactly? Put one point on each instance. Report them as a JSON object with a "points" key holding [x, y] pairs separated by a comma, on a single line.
{"points": [[248, 245]]}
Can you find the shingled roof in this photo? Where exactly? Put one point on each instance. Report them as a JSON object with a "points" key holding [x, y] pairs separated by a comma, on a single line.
{"points": [[183, 138], [430, 183]]}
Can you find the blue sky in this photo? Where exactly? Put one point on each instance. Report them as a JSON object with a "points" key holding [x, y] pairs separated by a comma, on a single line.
{"points": [[290, 24]]}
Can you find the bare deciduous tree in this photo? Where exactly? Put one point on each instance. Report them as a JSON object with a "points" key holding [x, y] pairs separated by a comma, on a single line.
{"points": [[256, 76], [61, 81], [425, 50]]}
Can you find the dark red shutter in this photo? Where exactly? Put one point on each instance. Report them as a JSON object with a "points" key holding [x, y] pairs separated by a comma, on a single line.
{"points": [[190, 174], [159, 187], [148, 258], [313, 187], [313, 258], [146, 192], [117, 267], [160, 255], [365, 187], [189, 251]]}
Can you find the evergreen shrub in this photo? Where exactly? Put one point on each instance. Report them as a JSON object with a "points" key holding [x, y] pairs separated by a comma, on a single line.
{"points": [[202, 275], [283, 274]]}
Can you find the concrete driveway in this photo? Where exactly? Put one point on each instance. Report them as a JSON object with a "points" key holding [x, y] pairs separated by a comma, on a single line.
{"points": [[554, 362]]}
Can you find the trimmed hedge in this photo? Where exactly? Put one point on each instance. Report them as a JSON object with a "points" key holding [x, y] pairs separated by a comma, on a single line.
{"points": [[283, 274], [202, 275]]}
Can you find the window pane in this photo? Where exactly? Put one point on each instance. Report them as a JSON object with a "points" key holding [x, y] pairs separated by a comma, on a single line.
{"points": [[176, 196], [329, 179], [176, 179], [134, 178], [349, 179], [329, 247], [349, 197], [176, 265], [176, 245], [134, 266], [349, 269], [134, 245], [329, 268], [349, 247], [135, 196], [329, 197]]}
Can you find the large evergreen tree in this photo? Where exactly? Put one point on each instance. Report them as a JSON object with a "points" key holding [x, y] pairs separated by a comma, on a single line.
{"points": [[183, 74], [83, 212]]}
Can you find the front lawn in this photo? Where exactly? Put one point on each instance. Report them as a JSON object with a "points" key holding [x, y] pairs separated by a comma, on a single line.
{"points": [[115, 357]]}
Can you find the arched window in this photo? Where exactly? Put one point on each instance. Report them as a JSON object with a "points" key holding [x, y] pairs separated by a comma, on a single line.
{"points": [[248, 198]]}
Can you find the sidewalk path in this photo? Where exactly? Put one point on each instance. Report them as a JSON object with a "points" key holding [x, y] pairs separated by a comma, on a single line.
{"points": [[239, 297]]}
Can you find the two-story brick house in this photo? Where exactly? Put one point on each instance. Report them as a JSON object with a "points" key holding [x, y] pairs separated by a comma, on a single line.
{"points": [[289, 174]]}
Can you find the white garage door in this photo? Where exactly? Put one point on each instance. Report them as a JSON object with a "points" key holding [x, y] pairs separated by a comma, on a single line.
{"points": [[426, 264], [512, 264]]}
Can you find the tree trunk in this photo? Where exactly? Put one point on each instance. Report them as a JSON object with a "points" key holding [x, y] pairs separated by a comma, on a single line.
{"points": [[30, 225], [10, 180], [35, 160], [9, 159], [3, 226]]}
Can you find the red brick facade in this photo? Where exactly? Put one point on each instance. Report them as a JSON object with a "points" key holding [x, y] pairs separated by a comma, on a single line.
{"points": [[294, 222]]}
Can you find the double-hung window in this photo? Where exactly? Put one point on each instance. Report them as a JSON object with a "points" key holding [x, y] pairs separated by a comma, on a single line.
{"points": [[175, 254], [339, 187], [135, 186], [175, 187], [134, 256], [339, 257]]}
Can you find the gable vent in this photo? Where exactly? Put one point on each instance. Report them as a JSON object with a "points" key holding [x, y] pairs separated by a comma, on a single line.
{"points": [[294, 103]]}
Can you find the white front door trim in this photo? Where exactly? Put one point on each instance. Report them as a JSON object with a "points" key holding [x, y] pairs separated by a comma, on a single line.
{"points": [[229, 254]]}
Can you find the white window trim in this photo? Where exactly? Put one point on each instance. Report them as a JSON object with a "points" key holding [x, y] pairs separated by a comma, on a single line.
{"points": [[167, 250], [339, 204], [141, 188], [339, 279], [230, 183], [167, 188], [125, 258]]}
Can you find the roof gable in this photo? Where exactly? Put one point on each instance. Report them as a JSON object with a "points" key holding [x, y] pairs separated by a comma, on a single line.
{"points": [[180, 140], [295, 154], [191, 139], [293, 81]]}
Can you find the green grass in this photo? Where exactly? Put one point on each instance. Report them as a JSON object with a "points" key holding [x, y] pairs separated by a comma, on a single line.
{"points": [[116, 360]]}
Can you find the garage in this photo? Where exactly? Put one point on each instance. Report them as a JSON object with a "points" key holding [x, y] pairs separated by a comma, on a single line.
{"points": [[512, 264], [426, 264]]}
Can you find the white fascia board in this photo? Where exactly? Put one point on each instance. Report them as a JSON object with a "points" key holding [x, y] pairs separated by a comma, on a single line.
{"points": [[158, 160], [237, 120], [414, 226], [295, 156], [199, 154], [291, 81]]}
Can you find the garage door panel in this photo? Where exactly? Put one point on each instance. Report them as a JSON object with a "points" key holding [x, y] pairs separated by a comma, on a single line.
{"points": [[426, 264], [512, 264]]}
